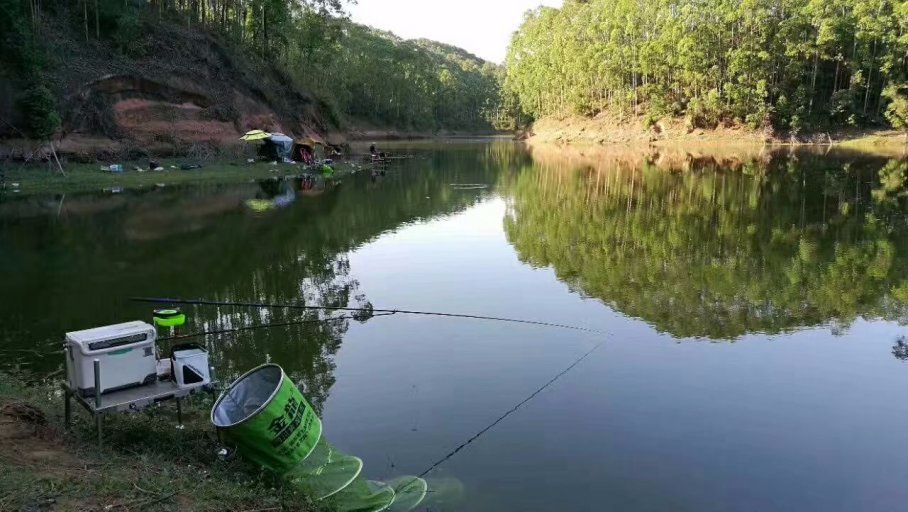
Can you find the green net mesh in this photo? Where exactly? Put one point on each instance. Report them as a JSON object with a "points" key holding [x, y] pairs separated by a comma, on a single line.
{"points": [[325, 471], [328, 474], [363, 496], [409, 492]]}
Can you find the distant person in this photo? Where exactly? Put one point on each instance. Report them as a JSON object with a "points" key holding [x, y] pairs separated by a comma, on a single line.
{"points": [[374, 153], [306, 155]]}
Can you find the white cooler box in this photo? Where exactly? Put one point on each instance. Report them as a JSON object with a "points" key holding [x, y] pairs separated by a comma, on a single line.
{"points": [[126, 353]]}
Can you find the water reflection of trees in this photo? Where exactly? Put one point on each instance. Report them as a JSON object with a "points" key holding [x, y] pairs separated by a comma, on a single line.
{"points": [[725, 246], [900, 349], [71, 266]]}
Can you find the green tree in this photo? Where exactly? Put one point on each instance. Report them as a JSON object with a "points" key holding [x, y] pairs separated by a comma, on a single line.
{"points": [[793, 64], [897, 110], [39, 111]]}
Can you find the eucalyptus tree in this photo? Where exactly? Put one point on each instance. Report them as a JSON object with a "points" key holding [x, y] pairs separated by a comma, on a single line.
{"points": [[793, 64]]}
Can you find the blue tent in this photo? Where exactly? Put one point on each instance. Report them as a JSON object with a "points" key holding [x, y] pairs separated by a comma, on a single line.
{"points": [[277, 147]]}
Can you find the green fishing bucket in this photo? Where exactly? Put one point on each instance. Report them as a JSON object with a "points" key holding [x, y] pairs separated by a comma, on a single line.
{"points": [[270, 423], [267, 419]]}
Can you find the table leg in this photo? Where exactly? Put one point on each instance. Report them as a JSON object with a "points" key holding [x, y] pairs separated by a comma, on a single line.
{"points": [[67, 408], [98, 419], [180, 413], [99, 426]]}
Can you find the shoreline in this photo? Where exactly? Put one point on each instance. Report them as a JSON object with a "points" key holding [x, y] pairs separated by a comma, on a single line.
{"points": [[356, 135], [608, 131], [84, 149], [24, 180], [41, 175]]}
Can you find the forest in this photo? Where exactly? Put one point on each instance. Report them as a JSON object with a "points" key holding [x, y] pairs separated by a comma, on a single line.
{"points": [[791, 65], [365, 76]]}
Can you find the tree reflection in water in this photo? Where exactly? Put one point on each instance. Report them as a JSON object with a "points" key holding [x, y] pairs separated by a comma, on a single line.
{"points": [[72, 264], [900, 349], [718, 247]]}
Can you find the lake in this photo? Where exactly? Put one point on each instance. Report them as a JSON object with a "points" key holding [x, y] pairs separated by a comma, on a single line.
{"points": [[751, 304]]}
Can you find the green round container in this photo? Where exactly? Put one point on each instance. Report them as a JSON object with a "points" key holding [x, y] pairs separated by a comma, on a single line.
{"points": [[169, 317], [267, 419]]}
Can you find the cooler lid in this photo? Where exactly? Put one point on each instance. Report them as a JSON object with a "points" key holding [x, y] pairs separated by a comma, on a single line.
{"points": [[109, 332]]}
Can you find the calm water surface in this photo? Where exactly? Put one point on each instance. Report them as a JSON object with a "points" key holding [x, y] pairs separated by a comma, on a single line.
{"points": [[753, 305]]}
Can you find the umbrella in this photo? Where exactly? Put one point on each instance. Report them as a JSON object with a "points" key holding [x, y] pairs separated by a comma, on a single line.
{"points": [[255, 135]]}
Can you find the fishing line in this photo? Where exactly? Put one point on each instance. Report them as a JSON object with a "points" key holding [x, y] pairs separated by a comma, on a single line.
{"points": [[511, 411], [265, 305], [262, 326], [382, 312]]}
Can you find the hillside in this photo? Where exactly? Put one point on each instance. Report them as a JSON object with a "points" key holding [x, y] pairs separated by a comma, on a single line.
{"points": [[184, 90], [377, 78], [136, 77]]}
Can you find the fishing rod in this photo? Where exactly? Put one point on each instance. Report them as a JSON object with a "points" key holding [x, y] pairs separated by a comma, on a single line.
{"points": [[261, 326], [266, 305], [385, 312]]}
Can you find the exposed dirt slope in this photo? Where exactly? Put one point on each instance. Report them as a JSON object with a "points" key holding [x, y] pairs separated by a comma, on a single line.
{"points": [[607, 129], [634, 131], [177, 91]]}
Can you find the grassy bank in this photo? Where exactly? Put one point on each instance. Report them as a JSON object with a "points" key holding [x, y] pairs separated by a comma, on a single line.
{"points": [[145, 464], [881, 142], [25, 180]]}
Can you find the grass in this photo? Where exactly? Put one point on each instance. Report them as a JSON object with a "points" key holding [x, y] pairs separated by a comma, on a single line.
{"points": [[41, 179], [145, 464], [892, 143]]}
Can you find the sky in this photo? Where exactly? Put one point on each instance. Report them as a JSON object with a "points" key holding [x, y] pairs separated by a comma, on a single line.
{"points": [[482, 27]]}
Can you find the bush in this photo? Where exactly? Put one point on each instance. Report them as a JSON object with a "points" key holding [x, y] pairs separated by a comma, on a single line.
{"points": [[705, 112], [897, 110], [650, 120], [38, 108]]}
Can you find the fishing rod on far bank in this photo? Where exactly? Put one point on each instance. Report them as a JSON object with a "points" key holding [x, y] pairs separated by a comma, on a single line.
{"points": [[363, 311]]}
